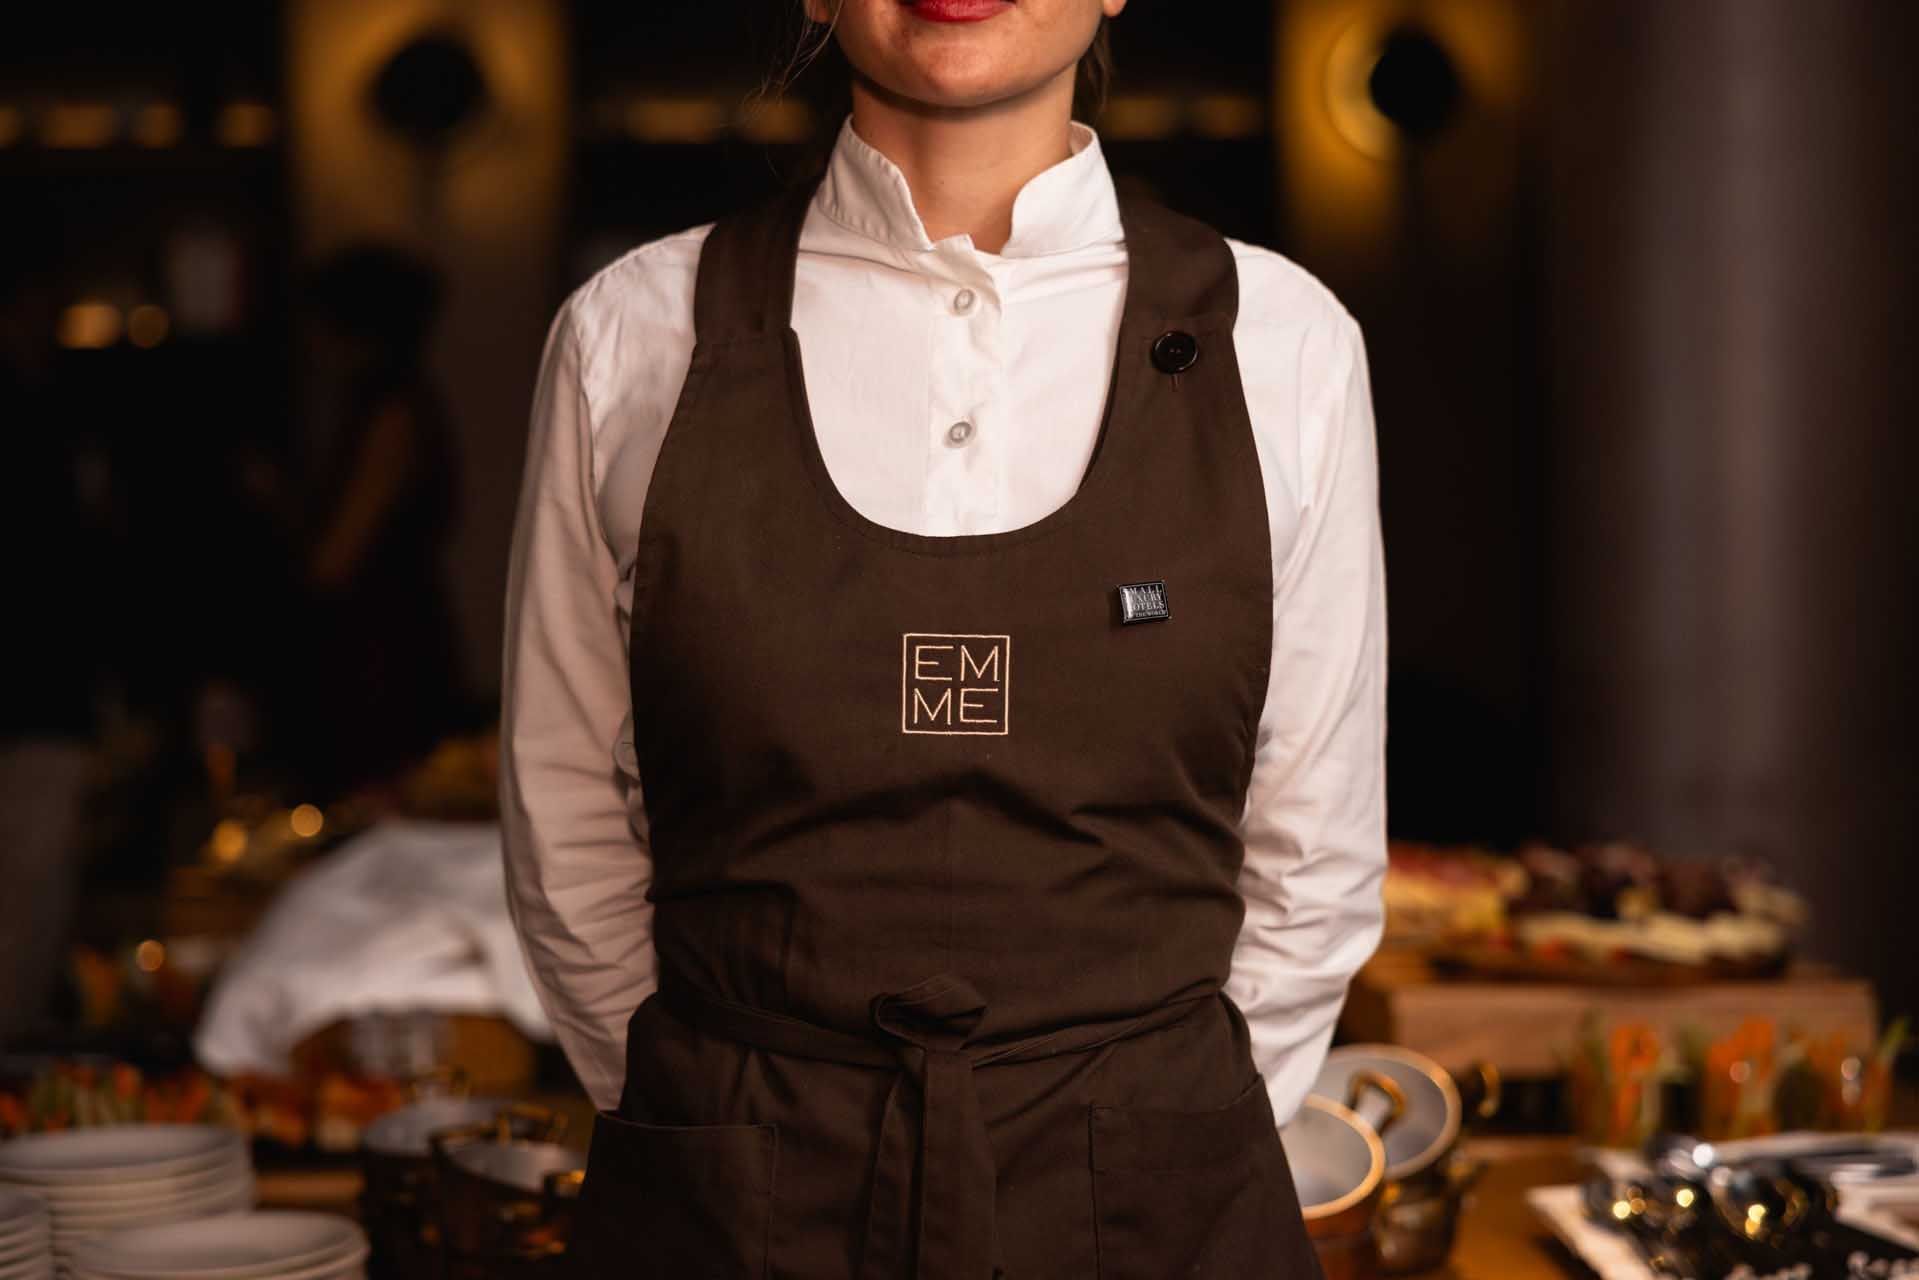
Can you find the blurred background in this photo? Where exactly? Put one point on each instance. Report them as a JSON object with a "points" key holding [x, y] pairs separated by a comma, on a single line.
{"points": [[1635, 279]]}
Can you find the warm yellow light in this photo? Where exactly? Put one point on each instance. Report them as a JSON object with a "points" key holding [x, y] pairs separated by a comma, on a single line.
{"points": [[1228, 115], [675, 119], [80, 125], [306, 820], [148, 326], [150, 955], [245, 124], [782, 120], [159, 124], [89, 326], [1349, 98], [1141, 115], [1683, 1197], [13, 125], [1621, 1210], [229, 841]]}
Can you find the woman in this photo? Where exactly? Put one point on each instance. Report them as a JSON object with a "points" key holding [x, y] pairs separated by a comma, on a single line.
{"points": [[975, 578], [383, 680]]}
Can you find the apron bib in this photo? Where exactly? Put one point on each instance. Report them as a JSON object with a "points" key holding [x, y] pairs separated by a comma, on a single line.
{"points": [[945, 832]]}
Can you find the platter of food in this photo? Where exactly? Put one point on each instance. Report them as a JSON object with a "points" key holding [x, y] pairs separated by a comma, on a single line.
{"points": [[1604, 914]]}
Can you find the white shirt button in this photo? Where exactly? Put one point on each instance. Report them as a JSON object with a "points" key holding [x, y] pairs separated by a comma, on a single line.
{"points": [[963, 301], [959, 433]]}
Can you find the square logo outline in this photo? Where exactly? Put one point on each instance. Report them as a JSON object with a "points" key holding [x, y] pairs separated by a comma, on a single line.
{"points": [[1006, 685]]}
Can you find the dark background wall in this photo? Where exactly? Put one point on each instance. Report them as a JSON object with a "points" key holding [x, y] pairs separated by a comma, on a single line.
{"points": [[1731, 196]]}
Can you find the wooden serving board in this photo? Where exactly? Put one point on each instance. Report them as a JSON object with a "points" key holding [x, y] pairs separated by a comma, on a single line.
{"points": [[1513, 964], [1523, 1026]]}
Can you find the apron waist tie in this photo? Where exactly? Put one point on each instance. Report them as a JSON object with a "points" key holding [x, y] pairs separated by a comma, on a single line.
{"points": [[927, 1026]]}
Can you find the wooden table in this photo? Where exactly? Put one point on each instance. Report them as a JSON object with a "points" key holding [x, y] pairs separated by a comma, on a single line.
{"points": [[1499, 1236]]}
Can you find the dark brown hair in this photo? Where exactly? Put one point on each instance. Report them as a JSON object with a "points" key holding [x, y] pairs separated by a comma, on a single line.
{"points": [[830, 86]]}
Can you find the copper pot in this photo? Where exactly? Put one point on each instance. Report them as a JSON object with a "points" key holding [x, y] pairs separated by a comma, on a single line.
{"points": [[1417, 1220], [505, 1204], [1427, 1177], [398, 1196], [1339, 1169]]}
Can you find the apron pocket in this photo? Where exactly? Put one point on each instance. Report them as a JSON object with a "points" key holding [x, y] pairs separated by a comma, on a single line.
{"points": [[673, 1200], [1196, 1193]]}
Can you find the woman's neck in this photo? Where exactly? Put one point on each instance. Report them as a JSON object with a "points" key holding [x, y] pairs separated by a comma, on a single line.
{"points": [[966, 167]]}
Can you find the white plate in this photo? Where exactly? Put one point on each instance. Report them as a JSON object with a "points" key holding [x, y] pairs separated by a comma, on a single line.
{"points": [[232, 1200], [338, 1268], [26, 1229], [19, 1208], [114, 1153], [58, 1196], [21, 1254], [14, 1241], [80, 1210], [350, 1266], [331, 1271], [232, 1247], [23, 1241], [27, 1259], [15, 1250], [139, 1183], [78, 1200]]}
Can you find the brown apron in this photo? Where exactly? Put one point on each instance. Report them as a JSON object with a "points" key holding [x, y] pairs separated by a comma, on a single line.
{"points": [[945, 832]]}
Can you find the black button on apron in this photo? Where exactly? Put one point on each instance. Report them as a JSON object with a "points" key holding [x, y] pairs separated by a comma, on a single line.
{"points": [[1175, 350]]}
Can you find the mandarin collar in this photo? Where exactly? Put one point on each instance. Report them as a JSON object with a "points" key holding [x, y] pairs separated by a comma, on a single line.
{"points": [[1069, 205]]}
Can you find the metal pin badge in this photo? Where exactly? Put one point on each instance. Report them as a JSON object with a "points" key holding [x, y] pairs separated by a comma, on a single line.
{"points": [[1143, 602]]}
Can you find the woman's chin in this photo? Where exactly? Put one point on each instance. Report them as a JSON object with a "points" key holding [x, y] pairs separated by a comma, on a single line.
{"points": [[960, 82]]}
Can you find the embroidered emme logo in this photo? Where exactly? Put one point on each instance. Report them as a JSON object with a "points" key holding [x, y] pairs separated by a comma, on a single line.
{"points": [[954, 684]]}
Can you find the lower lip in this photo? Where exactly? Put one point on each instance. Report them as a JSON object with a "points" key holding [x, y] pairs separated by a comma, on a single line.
{"points": [[957, 10]]}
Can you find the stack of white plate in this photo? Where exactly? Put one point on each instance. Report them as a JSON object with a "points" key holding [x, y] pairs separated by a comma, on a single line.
{"points": [[26, 1239], [134, 1175], [240, 1246]]}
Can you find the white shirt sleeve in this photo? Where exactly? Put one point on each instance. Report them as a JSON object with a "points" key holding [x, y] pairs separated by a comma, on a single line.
{"points": [[1315, 822], [577, 862]]}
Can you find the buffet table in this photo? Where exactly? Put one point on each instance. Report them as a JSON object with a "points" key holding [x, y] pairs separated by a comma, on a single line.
{"points": [[1499, 1237]]}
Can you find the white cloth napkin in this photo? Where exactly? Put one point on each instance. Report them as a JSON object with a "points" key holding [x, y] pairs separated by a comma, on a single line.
{"points": [[406, 917]]}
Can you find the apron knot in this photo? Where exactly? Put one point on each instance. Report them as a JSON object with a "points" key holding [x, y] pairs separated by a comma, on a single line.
{"points": [[958, 1182], [937, 1013], [936, 1189]]}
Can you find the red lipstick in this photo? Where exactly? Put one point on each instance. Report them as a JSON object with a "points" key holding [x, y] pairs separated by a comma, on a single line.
{"points": [[956, 10]]}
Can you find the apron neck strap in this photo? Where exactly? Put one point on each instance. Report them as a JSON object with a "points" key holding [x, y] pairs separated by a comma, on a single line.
{"points": [[744, 287]]}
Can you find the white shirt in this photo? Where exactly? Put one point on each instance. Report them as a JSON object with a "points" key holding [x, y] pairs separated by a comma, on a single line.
{"points": [[902, 337]]}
